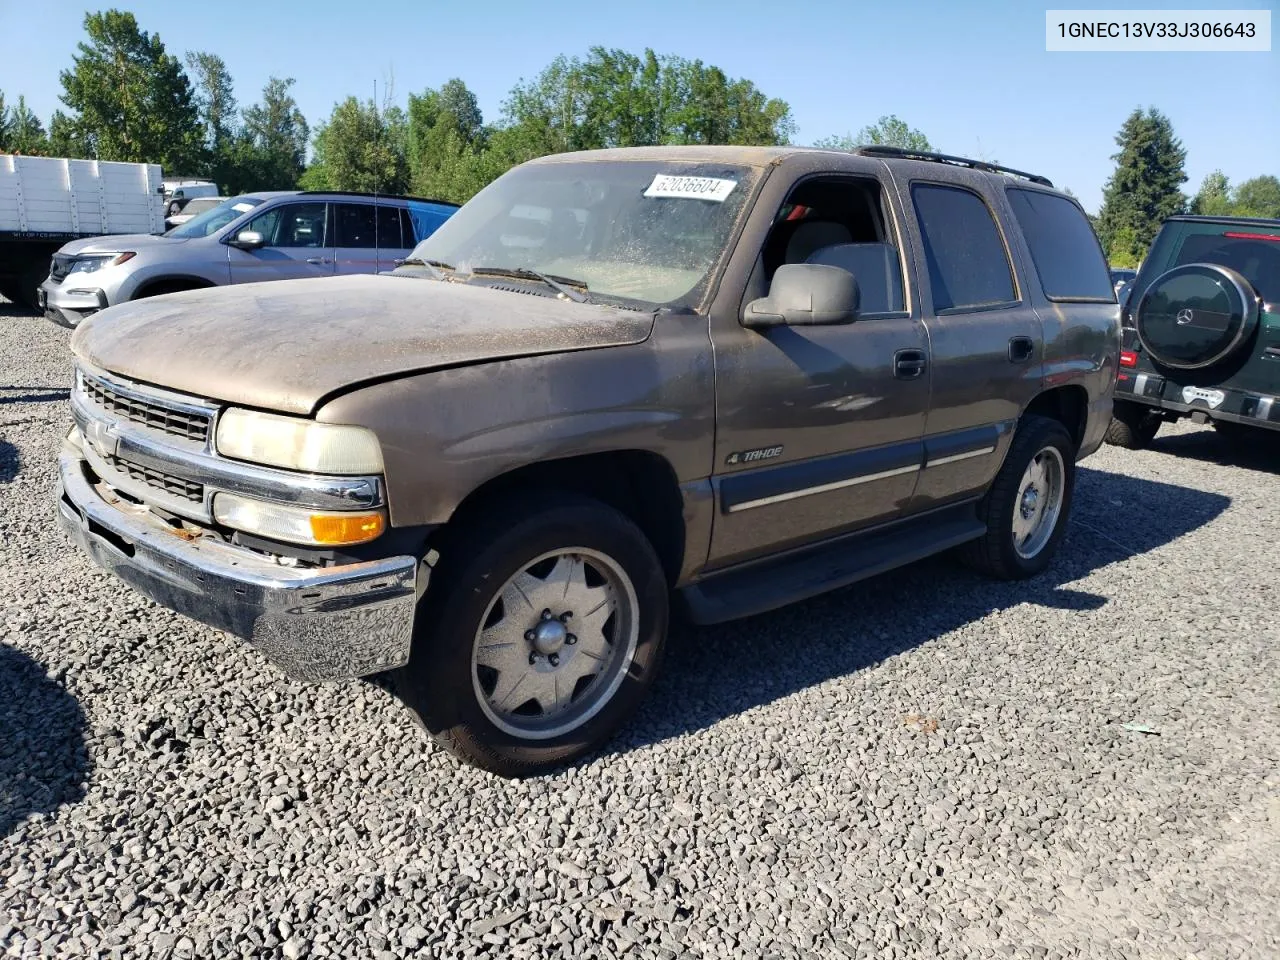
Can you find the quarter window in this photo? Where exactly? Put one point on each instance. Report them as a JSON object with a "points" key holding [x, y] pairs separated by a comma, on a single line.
{"points": [[1064, 248], [968, 265]]}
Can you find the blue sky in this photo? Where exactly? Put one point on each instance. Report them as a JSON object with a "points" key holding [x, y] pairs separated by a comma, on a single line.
{"points": [[973, 76]]}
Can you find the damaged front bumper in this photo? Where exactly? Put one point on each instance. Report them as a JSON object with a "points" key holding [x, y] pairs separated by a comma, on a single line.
{"points": [[316, 623]]}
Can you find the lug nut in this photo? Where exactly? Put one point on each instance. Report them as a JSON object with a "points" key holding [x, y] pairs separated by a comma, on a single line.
{"points": [[554, 659], [566, 616], [533, 658], [546, 614], [571, 639], [530, 636]]}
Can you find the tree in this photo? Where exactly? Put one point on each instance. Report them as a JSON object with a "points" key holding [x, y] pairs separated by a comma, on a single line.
{"points": [[27, 134], [270, 151], [617, 99], [1213, 199], [215, 100], [1259, 197], [1145, 187], [64, 137], [131, 100], [6, 126], [360, 148], [888, 131], [446, 139]]}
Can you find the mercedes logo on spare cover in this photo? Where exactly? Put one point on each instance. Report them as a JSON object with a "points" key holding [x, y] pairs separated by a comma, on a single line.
{"points": [[1185, 315]]}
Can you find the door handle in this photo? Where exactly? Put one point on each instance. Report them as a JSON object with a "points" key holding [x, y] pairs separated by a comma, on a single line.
{"points": [[318, 260], [908, 364], [1021, 349]]}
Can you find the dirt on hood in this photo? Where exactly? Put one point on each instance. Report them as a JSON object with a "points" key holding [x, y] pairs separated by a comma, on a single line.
{"points": [[286, 345]]}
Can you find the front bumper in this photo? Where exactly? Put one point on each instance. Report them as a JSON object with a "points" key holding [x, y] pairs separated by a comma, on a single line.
{"points": [[1217, 403], [59, 303], [325, 623]]}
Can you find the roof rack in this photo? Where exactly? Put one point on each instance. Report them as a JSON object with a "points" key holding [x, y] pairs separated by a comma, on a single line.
{"points": [[903, 154], [378, 196]]}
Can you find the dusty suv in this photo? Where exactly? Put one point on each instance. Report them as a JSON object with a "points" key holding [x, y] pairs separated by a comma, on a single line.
{"points": [[278, 235], [720, 378], [1202, 331]]}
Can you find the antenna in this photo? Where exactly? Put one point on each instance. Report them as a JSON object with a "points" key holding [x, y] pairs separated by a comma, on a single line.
{"points": [[377, 249]]}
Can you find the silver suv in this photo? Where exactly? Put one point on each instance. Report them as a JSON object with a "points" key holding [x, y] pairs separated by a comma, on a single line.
{"points": [[279, 235]]}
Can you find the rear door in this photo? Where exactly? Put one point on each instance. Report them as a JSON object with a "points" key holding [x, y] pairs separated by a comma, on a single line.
{"points": [[984, 333], [369, 237], [297, 245]]}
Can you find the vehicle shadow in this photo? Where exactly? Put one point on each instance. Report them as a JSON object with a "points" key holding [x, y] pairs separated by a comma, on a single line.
{"points": [[43, 759], [10, 309], [1208, 446], [10, 461], [34, 395], [718, 672]]}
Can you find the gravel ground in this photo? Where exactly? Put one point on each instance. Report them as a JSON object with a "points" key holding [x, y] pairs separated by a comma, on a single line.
{"points": [[926, 765]]}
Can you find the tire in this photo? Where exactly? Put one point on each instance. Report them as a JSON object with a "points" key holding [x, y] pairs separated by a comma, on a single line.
{"points": [[1133, 426], [9, 290], [465, 693], [998, 553]]}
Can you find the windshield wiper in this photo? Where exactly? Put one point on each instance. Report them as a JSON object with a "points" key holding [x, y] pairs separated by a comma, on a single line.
{"points": [[437, 265], [562, 284]]}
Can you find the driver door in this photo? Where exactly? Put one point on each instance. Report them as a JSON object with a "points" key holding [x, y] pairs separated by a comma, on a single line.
{"points": [[297, 245], [820, 428]]}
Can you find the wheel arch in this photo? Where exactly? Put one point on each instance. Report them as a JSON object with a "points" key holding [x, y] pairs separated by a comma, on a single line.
{"points": [[640, 484], [1068, 404], [170, 283]]}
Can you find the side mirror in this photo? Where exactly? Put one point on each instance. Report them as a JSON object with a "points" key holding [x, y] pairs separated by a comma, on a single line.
{"points": [[248, 240], [805, 294]]}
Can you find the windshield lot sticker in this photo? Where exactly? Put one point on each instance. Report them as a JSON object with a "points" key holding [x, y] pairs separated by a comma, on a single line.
{"points": [[691, 188], [751, 456]]}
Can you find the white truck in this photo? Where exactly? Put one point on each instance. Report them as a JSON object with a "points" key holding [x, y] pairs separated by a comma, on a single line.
{"points": [[48, 201]]}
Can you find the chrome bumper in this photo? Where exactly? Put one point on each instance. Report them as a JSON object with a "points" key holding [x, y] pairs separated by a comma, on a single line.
{"points": [[314, 624]]}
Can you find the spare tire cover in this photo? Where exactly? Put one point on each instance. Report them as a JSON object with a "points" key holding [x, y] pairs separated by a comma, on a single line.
{"points": [[1196, 315]]}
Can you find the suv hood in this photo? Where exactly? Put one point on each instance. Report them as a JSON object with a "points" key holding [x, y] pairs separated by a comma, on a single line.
{"points": [[287, 344], [116, 243]]}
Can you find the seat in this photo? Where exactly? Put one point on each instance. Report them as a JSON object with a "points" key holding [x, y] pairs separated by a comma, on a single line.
{"points": [[812, 235], [876, 268]]}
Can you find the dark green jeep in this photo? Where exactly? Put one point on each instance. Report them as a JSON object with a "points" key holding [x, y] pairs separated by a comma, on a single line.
{"points": [[1202, 331]]}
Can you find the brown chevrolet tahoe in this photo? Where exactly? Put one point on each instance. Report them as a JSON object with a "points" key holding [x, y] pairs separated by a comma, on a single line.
{"points": [[614, 385]]}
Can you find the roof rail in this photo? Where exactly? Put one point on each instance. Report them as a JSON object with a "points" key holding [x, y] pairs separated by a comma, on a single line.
{"points": [[904, 154], [379, 196]]}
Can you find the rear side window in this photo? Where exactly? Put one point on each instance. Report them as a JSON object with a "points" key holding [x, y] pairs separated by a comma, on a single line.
{"points": [[968, 265], [355, 225], [1064, 249], [1250, 251]]}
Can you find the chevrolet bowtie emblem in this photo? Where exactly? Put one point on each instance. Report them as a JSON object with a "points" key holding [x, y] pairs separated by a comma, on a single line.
{"points": [[102, 438]]}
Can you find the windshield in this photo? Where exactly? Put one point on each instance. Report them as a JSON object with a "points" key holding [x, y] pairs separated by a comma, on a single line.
{"points": [[211, 221], [649, 231]]}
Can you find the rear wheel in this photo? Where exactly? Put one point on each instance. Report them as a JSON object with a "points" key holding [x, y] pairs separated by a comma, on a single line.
{"points": [[1133, 425], [539, 635], [1027, 507]]}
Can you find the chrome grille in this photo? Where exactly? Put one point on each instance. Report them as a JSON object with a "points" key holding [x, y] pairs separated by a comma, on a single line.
{"points": [[179, 423], [187, 489]]}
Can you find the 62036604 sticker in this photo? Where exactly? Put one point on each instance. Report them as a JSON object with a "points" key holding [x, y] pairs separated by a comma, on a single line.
{"points": [[691, 188]]}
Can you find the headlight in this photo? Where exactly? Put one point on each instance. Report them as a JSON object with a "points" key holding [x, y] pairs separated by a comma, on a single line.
{"points": [[94, 262], [297, 444], [297, 524]]}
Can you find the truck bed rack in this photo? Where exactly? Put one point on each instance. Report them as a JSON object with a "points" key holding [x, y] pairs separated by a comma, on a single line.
{"points": [[904, 154]]}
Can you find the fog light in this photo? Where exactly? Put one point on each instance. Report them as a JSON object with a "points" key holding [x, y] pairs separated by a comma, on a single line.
{"points": [[298, 525]]}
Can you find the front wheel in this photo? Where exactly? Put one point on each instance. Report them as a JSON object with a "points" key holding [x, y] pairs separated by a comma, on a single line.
{"points": [[539, 635], [1027, 507]]}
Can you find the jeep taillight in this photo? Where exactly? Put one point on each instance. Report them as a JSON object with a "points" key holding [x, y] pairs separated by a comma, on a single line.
{"points": [[1128, 358]]}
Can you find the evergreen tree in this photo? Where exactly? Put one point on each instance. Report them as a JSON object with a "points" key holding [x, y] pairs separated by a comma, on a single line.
{"points": [[1145, 187]]}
